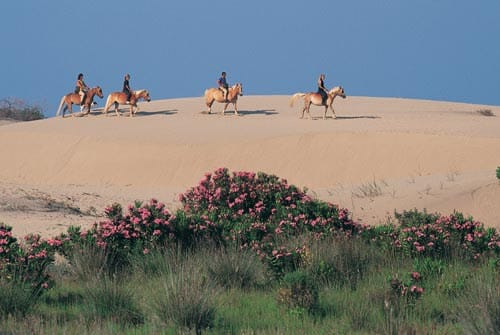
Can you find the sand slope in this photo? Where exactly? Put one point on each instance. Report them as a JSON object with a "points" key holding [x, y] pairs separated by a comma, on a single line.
{"points": [[379, 155]]}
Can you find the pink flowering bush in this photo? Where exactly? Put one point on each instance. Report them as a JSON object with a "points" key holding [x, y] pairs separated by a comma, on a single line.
{"points": [[257, 210], [143, 227], [444, 236], [25, 264]]}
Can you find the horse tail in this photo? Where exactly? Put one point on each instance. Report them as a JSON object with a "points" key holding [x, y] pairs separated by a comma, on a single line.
{"points": [[209, 99], [107, 105], [294, 97], [60, 106]]}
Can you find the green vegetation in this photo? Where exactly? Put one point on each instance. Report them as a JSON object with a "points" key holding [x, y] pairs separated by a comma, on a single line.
{"points": [[498, 172], [249, 253], [15, 109]]}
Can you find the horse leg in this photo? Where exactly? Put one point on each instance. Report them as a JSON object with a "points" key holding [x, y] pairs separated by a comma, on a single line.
{"points": [[334, 115], [326, 110], [88, 108], [303, 110], [209, 104], [235, 108], [116, 109], [225, 107]]}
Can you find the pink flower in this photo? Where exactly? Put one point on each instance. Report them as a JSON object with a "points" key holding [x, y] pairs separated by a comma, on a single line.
{"points": [[415, 275], [54, 242], [420, 248]]}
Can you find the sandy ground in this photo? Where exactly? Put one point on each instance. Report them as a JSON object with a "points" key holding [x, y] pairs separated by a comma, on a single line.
{"points": [[378, 156]]}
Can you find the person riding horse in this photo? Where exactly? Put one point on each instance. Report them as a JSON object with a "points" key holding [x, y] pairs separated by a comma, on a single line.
{"points": [[321, 88], [223, 85], [81, 88], [126, 87]]}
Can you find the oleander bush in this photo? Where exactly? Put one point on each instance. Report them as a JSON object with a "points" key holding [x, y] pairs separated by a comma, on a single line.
{"points": [[147, 269]]}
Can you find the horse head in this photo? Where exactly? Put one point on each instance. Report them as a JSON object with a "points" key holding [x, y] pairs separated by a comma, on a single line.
{"points": [[339, 90], [142, 94], [238, 88], [98, 91]]}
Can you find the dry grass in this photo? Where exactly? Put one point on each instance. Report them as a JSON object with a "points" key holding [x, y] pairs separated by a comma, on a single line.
{"points": [[370, 190], [485, 112]]}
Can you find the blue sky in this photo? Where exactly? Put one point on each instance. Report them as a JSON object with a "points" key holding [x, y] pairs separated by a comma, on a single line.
{"points": [[427, 49]]}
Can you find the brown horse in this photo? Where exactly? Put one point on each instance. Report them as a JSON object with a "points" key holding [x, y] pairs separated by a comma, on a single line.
{"points": [[315, 99], [71, 99], [120, 98], [216, 94]]}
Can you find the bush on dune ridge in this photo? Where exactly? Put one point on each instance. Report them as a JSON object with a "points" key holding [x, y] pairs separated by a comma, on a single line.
{"points": [[16, 109]]}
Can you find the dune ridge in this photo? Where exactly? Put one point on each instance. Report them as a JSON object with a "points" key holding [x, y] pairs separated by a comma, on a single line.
{"points": [[412, 154]]}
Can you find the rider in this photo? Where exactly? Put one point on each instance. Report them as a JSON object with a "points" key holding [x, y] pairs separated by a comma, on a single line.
{"points": [[81, 88], [321, 88], [223, 85], [126, 87]]}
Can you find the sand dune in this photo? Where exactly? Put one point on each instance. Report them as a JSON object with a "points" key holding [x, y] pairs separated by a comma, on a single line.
{"points": [[379, 155]]}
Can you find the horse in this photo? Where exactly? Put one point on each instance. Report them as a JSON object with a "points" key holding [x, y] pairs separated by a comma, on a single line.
{"points": [[71, 99], [120, 98], [216, 94], [315, 99]]}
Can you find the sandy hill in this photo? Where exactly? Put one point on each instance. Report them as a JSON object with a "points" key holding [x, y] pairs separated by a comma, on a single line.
{"points": [[379, 155]]}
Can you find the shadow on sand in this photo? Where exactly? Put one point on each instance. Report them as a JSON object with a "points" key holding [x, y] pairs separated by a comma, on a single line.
{"points": [[165, 112], [346, 117], [259, 112], [245, 112]]}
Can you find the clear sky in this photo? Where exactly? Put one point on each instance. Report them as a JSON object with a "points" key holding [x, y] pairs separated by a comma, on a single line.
{"points": [[427, 49]]}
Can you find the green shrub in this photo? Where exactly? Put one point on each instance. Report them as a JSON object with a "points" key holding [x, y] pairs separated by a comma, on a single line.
{"points": [[232, 267], [498, 172], [110, 299], [415, 218], [299, 290], [340, 261], [187, 299], [89, 262], [479, 312], [17, 298]]}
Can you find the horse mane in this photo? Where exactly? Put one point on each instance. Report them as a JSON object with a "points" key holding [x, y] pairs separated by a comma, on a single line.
{"points": [[137, 92], [335, 89]]}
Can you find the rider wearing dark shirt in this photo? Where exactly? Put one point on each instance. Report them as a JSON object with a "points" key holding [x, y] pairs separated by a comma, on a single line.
{"points": [[126, 87], [321, 88]]}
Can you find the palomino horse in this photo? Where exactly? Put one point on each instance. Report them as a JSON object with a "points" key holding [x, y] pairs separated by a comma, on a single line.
{"points": [[315, 99], [120, 98], [71, 99], [216, 94]]}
